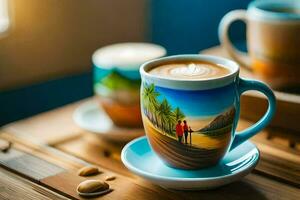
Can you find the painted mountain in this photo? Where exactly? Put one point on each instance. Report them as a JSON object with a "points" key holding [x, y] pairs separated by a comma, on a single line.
{"points": [[220, 121]]}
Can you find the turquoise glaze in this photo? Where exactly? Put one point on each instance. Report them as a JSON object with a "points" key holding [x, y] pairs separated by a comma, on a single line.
{"points": [[210, 108], [140, 159], [243, 86], [102, 72]]}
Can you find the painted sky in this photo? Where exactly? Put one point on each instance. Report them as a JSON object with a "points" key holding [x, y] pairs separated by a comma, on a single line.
{"points": [[200, 104]]}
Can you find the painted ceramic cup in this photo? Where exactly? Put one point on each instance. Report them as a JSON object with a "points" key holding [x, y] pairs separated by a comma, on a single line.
{"points": [[117, 79], [209, 106], [273, 39]]}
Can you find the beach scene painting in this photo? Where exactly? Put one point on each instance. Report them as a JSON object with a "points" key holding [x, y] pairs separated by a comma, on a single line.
{"points": [[187, 129]]}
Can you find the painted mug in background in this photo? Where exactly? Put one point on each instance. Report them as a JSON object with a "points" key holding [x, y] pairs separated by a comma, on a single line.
{"points": [[273, 39], [209, 106], [117, 79]]}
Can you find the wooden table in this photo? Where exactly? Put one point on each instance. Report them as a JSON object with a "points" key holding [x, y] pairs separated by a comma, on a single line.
{"points": [[53, 138]]}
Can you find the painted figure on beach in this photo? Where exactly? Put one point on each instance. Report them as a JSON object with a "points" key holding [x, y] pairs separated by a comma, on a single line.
{"points": [[179, 131], [183, 130]]}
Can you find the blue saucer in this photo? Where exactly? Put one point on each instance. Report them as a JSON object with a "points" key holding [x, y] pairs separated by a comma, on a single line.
{"points": [[139, 158]]}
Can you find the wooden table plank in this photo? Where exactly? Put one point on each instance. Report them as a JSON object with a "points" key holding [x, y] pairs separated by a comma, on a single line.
{"points": [[252, 186], [94, 150], [122, 187], [33, 166], [50, 127], [67, 182], [17, 188], [44, 151]]}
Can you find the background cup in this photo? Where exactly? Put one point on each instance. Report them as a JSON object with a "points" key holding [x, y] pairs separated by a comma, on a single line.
{"points": [[273, 39], [117, 79], [210, 107]]}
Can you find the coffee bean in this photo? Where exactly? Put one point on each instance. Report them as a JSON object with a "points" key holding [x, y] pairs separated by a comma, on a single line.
{"points": [[89, 187], [5, 145], [88, 171], [110, 178]]}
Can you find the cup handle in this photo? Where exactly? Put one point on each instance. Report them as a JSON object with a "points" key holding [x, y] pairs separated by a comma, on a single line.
{"points": [[239, 56], [243, 86]]}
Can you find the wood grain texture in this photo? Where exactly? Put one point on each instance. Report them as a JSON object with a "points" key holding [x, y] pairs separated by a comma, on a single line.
{"points": [[122, 187], [46, 152], [50, 127], [132, 187], [251, 187], [95, 150], [28, 164], [288, 105], [16, 188], [66, 183]]}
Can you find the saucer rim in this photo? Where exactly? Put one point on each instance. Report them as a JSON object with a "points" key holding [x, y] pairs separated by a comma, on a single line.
{"points": [[177, 179], [113, 135]]}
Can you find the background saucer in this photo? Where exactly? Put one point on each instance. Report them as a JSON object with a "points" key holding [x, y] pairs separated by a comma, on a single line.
{"points": [[141, 160], [91, 117]]}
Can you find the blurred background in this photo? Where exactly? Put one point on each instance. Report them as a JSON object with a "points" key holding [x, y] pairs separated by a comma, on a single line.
{"points": [[45, 56]]}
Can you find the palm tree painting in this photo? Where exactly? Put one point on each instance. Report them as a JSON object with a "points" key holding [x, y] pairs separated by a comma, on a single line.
{"points": [[160, 113], [150, 103], [178, 114], [168, 117]]}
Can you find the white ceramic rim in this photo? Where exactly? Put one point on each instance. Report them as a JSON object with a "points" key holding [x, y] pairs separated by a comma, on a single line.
{"points": [[162, 178], [190, 84], [254, 11], [126, 65]]}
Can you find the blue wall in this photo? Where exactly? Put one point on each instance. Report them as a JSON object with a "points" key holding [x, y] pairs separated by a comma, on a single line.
{"points": [[24, 102], [188, 26]]}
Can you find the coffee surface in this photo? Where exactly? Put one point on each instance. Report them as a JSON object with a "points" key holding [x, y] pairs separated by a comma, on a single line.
{"points": [[190, 70]]}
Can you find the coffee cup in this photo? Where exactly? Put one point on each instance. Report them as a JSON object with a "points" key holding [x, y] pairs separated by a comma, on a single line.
{"points": [[273, 40], [190, 107], [117, 79]]}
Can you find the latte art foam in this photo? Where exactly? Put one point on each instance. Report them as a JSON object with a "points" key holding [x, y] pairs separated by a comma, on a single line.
{"points": [[192, 70]]}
